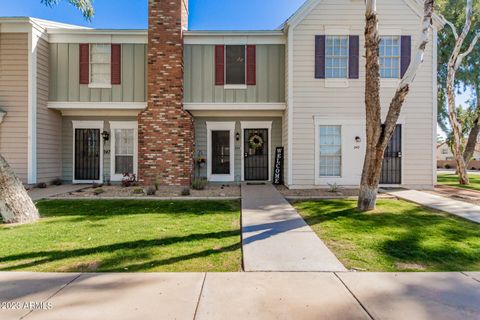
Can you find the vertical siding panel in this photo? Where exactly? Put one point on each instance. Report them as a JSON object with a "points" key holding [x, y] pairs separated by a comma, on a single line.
{"points": [[281, 72], [240, 96], [273, 73], [95, 95], [139, 73], [62, 72], [52, 92], [73, 72], [197, 83], [208, 73], [106, 95], [187, 60], [229, 96], [263, 72], [127, 67]]}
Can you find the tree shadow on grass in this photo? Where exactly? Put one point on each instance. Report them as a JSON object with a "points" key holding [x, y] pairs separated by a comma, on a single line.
{"points": [[412, 236], [42, 257]]}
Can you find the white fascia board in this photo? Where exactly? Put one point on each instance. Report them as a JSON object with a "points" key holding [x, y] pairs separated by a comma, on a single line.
{"points": [[235, 106], [234, 38], [98, 36], [33, 39], [66, 105]]}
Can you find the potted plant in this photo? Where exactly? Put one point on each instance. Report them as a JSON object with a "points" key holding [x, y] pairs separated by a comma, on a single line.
{"points": [[201, 161]]}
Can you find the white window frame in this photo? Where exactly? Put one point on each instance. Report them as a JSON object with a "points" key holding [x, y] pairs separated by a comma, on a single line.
{"points": [[220, 126], [256, 125], [87, 125], [94, 85], [234, 86], [123, 125], [317, 150], [347, 56], [396, 79]]}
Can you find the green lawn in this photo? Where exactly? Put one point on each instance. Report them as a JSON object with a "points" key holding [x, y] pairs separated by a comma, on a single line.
{"points": [[126, 236], [452, 180], [398, 236]]}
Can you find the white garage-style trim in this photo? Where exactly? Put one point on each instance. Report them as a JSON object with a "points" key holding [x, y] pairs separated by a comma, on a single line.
{"points": [[123, 125], [221, 126], [256, 125]]}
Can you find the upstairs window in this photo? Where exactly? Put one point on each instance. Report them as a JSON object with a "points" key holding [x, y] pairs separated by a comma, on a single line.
{"points": [[336, 57], [390, 56], [100, 65], [235, 66]]}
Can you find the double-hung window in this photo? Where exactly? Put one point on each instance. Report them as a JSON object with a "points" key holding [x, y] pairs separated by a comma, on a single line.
{"points": [[100, 65], [336, 57], [390, 55], [123, 149], [330, 151], [235, 66]]}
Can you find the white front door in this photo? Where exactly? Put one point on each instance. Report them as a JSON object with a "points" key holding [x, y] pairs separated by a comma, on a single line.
{"points": [[124, 144]]}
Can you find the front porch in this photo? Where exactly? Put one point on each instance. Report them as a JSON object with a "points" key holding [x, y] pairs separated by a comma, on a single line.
{"points": [[236, 149]]}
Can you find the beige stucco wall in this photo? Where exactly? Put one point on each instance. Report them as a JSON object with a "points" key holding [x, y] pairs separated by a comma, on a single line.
{"points": [[49, 123], [311, 98], [14, 99]]}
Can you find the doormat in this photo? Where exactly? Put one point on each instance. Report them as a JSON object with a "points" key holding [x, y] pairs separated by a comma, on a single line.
{"points": [[255, 183]]}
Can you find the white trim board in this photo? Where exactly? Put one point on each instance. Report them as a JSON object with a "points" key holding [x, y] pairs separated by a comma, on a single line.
{"points": [[123, 125], [67, 105], [87, 125], [221, 126], [256, 125], [234, 106]]}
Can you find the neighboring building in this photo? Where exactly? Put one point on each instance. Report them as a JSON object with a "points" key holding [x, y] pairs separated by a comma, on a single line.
{"points": [[444, 152], [88, 105]]}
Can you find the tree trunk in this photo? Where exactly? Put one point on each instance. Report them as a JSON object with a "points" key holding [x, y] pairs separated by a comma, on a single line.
{"points": [[474, 133], [378, 135], [15, 204]]}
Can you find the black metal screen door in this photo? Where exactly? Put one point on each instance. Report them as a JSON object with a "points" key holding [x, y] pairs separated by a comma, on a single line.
{"points": [[392, 163], [256, 154], [221, 152], [87, 154]]}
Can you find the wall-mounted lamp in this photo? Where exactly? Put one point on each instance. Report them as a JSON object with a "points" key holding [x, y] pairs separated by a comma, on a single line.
{"points": [[358, 139], [237, 136], [3, 113], [106, 135]]}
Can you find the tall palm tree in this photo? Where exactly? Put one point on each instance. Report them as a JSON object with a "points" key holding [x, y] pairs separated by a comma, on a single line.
{"points": [[85, 6]]}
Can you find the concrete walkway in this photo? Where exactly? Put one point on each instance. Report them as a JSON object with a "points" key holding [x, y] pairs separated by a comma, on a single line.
{"points": [[265, 296], [459, 208], [276, 238], [51, 191]]}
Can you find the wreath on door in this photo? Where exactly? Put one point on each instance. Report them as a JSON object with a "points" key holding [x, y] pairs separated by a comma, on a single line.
{"points": [[255, 142]]}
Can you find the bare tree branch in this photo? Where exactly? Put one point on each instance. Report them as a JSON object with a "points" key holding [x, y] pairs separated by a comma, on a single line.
{"points": [[468, 51], [452, 26]]}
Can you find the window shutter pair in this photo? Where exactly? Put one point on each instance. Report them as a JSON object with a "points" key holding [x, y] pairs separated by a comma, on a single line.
{"points": [[220, 65], [354, 56], [116, 73]]}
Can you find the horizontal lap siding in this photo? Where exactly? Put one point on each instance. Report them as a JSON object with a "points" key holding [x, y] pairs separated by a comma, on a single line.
{"points": [[65, 78], [14, 99], [199, 76], [49, 123], [201, 139], [311, 98]]}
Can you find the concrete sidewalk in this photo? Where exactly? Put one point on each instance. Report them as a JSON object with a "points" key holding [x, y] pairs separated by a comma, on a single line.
{"points": [[276, 238], [459, 208], [51, 191], [283, 295]]}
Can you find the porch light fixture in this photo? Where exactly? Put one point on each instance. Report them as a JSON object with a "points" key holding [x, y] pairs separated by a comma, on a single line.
{"points": [[358, 139], [237, 136], [106, 135], [3, 113]]}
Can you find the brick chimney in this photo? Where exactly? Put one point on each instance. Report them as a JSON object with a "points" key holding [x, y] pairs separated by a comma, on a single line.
{"points": [[165, 130]]}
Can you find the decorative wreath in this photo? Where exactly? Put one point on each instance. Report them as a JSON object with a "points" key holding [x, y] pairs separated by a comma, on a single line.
{"points": [[255, 142]]}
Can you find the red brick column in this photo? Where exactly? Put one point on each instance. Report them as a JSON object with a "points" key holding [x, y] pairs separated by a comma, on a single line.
{"points": [[165, 130]]}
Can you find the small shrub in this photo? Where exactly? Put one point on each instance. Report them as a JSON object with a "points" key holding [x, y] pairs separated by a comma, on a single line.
{"points": [[129, 180], [185, 192], [97, 185], [57, 182], [334, 188], [199, 184], [41, 185], [137, 191], [150, 191], [447, 166], [157, 185], [98, 191]]}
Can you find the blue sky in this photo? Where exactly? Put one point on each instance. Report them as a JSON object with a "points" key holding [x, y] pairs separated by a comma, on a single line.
{"points": [[132, 14]]}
